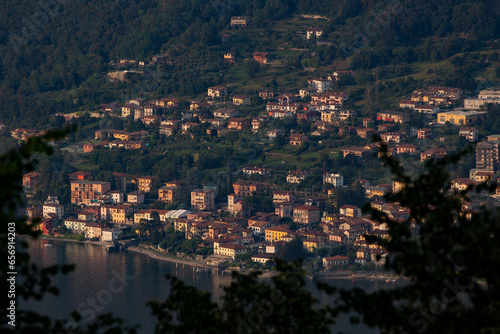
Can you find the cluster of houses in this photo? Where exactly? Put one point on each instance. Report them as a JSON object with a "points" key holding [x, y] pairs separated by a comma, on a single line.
{"points": [[98, 211]]}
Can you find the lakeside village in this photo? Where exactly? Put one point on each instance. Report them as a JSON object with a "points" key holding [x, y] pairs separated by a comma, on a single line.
{"points": [[218, 230], [263, 219]]}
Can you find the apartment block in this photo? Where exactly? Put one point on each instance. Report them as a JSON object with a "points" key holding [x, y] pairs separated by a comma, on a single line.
{"points": [[203, 199], [88, 192]]}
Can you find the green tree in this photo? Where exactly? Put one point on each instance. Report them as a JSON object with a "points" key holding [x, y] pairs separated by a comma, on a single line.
{"points": [[292, 250], [36, 281], [251, 68]]}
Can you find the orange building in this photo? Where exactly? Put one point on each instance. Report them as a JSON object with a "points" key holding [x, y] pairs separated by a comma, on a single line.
{"points": [[171, 192], [144, 183], [244, 188], [87, 192]]}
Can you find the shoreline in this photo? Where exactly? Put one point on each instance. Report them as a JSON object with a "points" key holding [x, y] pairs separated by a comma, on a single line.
{"points": [[195, 263], [174, 259]]}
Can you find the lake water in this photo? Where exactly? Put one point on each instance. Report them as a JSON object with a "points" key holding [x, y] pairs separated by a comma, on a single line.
{"points": [[122, 283]]}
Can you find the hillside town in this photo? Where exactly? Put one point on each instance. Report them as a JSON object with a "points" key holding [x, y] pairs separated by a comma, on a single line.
{"points": [[259, 216]]}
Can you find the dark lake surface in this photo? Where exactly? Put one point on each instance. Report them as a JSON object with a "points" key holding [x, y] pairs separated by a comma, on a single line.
{"points": [[123, 282]]}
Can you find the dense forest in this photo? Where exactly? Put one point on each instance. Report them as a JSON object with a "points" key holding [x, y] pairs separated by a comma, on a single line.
{"points": [[53, 53]]}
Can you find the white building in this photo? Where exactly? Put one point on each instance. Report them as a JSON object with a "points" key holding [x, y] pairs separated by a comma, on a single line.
{"points": [[336, 179], [117, 196], [321, 85], [53, 208], [110, 235]]}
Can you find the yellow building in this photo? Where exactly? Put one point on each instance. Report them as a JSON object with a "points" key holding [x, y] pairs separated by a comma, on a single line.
{"points": [[275, 233], [312, 244], [460, 117]]}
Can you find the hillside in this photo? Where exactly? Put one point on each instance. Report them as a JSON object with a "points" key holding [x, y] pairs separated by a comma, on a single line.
{"points": [[53, 58]]}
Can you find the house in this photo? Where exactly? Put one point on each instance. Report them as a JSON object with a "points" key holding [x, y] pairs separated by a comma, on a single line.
{"points": [[385, 127], [110, 234], [296, 139], [312, 244], [159, 58], [256, 171], [424, 133], [198, 105], [409, 104], [256, 122], [337, 260], [365, 132], [243, 188], [433, 153], [427, 109], [329, 98], [167, 102], [33, 212], [203, 199], [336, 179], [280, 113], [225, 38], [261, 57], [30, 180], [186, 126], [215, 131], [226, 113], [393, 116], [230, 56], [303, 92], [405, 148], [239, 21], [116, 196], [53, 209], [306, 214], [88, 148], [469, 133], [22, 134], [359, 152], [393, 137], [93, 230], [321, 85], [263, 258], [167, 130], [350, 211], [238, 124], [337, 75], [296, 176], [219, 92], [136, 197], [481, 175], [231, 250], [460, 117], [336, 116], [284, 209], [144, 183], [275, 233], [241, 99], [266, 94], [171, 192], [75, 225], [462, 184], [313, 32], [234, 204], [280, 196], [80, 175]]}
